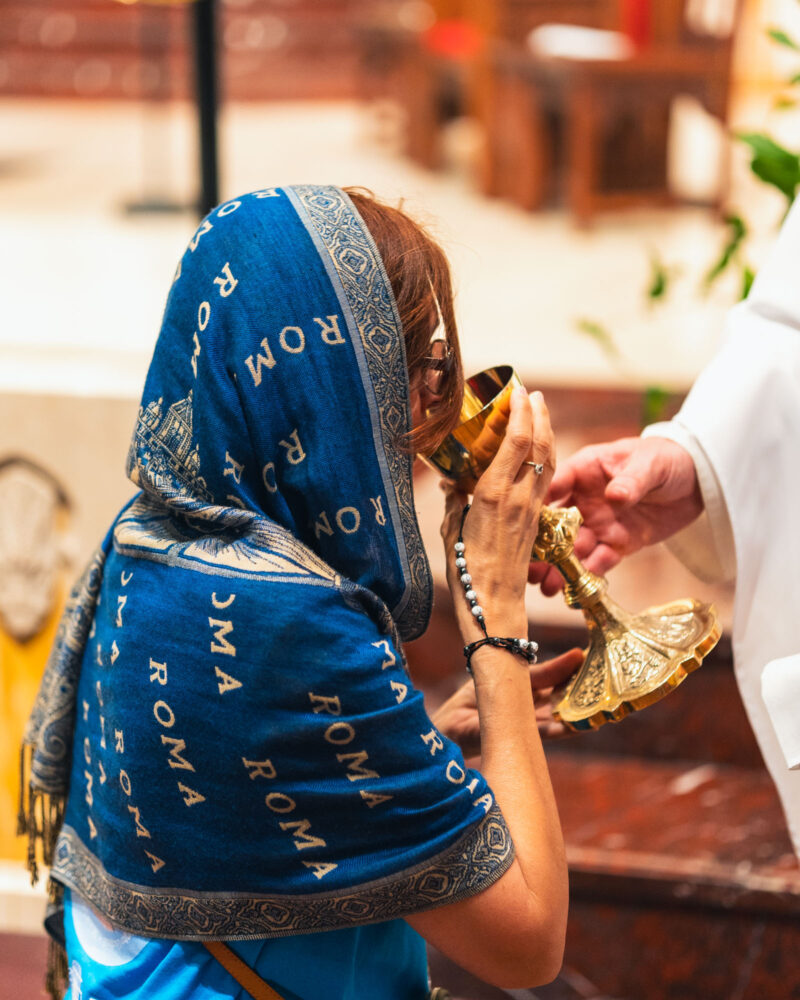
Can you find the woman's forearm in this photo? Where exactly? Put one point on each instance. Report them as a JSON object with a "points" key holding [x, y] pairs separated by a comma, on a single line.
{"points": [[513, 762], [512, 934]]}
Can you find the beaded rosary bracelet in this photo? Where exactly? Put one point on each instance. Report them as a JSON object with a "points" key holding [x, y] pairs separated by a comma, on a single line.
{"points": [[526, 648]]}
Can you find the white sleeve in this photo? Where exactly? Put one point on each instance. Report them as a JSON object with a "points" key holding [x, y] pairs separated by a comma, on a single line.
{"points": [[706, 546], [741, 425]]}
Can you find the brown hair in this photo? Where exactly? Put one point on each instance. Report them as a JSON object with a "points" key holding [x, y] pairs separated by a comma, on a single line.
{"points": [[420, 278]]}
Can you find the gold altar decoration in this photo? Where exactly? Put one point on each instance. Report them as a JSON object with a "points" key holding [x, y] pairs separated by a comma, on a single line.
{"points": [[632, 660]]}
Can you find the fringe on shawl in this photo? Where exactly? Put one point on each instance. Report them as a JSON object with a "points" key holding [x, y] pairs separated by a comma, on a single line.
{"points": [[57, 978], [40, 816]]}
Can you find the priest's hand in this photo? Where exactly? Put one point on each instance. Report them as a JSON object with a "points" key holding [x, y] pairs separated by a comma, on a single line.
{"points": [[457, 718], [631, 492]]}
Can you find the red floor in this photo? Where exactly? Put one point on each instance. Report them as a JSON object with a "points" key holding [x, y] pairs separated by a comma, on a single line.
{"points": [[22, 965]]}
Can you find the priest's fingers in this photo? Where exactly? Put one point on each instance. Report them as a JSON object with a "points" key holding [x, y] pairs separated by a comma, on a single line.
{"points": [[639, 476], [550, 581], [586, 542], [562, 485], [655, 468], [602, 559], [537, 571], [584, 473], [553, 583]]}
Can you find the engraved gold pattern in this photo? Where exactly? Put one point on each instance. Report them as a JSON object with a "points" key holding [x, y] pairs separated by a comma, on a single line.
{"points": [[634, 660]]}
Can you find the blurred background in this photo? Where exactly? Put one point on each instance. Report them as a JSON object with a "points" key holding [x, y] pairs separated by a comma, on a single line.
{"points": [[605, 175]]}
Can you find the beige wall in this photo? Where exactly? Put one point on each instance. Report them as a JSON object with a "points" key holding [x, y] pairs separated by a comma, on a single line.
{"points": [[83, 442]]}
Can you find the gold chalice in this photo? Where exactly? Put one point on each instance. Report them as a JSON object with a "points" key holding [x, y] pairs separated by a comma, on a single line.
{"points": [[631, 660]]}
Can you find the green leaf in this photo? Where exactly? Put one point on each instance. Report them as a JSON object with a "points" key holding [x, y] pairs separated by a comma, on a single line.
{"points": [[654, 403], [736, 233], [780, 36], [600, 335], [748, 277], [772, 163], [659, 279], [793, 81]]}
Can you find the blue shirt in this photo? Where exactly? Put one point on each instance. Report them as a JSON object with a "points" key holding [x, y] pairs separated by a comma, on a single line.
{"points": [[385, 961]]}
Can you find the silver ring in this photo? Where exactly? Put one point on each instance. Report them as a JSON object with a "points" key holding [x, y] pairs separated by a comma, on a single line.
{"points": [[537, 467]]}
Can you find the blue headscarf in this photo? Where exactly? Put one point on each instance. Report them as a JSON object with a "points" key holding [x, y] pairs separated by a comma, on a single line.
{"points": [[226, 743]]}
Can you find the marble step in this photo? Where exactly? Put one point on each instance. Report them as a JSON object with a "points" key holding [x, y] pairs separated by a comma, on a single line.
{"points": [[683, 881], [675, 833], [683, 886]]}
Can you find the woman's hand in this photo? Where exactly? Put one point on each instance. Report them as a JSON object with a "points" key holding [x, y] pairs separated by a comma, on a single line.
{"points": [[502, 522], [457, 718]]}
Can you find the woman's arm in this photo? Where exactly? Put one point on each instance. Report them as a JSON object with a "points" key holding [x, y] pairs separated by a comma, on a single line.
{"points": [[512, 934]]}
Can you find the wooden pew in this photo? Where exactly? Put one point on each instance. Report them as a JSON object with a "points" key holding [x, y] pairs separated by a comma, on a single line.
{"points": [[436, 81]]}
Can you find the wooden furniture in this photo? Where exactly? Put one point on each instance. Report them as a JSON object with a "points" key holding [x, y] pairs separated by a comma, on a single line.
{"points": [[514, 19], [440, 72], [602, 124]]}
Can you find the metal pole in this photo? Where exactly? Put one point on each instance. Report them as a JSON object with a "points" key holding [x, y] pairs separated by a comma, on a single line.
{"points": [[206, 87]]}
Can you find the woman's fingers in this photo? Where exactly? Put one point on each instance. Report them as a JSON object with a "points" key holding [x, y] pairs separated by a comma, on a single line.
{"points": [[543, 441], [528, 442], [516, 445]]}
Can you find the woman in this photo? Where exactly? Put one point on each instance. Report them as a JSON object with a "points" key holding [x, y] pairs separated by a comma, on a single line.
{"points": [[226, 720]]}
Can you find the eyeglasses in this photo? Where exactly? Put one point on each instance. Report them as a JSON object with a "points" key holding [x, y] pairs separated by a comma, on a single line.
{"points": [[437, 367]]}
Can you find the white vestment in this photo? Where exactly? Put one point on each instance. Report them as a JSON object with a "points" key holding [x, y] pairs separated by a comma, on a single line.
{"points": [[741, 424]]}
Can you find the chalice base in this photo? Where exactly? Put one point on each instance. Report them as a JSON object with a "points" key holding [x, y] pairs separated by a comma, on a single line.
{"points": [[634, 660]]}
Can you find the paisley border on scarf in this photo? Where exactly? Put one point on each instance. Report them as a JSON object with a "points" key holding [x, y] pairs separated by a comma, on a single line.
{"points": [[50, 726], [469, 866], [351, 260]]}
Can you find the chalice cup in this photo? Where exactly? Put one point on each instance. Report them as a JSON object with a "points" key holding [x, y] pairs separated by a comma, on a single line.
{"points": [[632, 660]]}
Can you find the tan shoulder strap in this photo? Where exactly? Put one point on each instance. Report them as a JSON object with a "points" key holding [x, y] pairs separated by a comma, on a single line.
{"points": [[241, 972]]}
